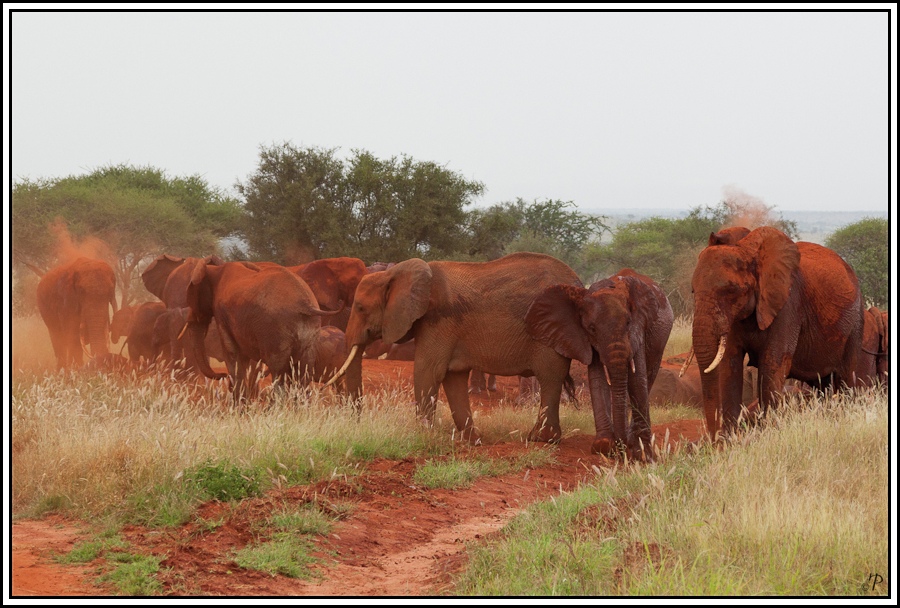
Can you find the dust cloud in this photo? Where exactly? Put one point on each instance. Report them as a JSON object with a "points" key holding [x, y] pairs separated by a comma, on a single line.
{"points": [[746, 210], [67, 249]]}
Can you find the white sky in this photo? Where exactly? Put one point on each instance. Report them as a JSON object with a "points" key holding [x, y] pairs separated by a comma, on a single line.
{"points": [[609, 110]]}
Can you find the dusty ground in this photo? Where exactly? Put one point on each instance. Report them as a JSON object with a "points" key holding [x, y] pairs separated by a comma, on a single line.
{"points": [[398, 539]]}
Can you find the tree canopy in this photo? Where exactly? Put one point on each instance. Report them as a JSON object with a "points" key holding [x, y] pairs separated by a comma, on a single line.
{"points": [[864, 245], [127, 215], [306, 203]]}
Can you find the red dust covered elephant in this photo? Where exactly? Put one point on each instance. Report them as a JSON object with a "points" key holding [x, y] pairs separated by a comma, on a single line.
{"points": [[464, 316], [74, 301], [794, 308]]}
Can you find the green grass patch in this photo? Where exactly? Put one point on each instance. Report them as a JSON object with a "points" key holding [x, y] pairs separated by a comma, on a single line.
{"points": [[133, 575], [462, 472], [89, 550], [224, 481], [287, 554]]}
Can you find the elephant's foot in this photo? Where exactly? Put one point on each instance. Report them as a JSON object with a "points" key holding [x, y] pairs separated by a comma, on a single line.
{"points": [[607, 446], [545, 433], [642, 452], [471, 434]]}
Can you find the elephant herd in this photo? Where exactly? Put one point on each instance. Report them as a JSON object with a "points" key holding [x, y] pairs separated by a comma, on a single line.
{"points": [[790, 310]]}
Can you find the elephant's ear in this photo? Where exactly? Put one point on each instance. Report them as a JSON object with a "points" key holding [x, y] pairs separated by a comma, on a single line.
{"points": [[553, 319], [158, 272], [777, 257], [406, 299], [199, 294]]}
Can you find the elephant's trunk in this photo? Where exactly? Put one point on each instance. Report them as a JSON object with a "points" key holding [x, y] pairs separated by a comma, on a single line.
{"points": [[709, 344], [617, 359], [96, 320], [196, 350]]}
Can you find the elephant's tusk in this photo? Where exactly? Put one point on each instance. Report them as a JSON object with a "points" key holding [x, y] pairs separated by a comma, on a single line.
{"points": [[606, 371], [632, 366], [343, 369], [183, 329], [687, 363], [719, 355]]}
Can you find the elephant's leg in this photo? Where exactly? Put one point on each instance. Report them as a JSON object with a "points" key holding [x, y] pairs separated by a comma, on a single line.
{"points": [[241, 371], [773, 372], [72, 350], [59, 347], [492, 383], [731, 389], [641, 440], [547, 427], [477, 382], [426, 387], [456, 389], [601, 402]]}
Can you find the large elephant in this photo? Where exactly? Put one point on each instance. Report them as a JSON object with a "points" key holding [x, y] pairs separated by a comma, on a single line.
{"points": [[264, 315], [464, 316], [74, 300], [168, 278], [618, 327], [794, 308], [874, 360]]}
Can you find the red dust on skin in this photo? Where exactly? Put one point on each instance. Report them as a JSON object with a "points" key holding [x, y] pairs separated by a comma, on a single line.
{"points": [[398, 539]]}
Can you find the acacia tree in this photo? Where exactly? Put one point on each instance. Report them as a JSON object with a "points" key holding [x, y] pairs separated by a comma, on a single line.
{"points": [[864, 245], [127, 215], [550, 226], [306, 203]]}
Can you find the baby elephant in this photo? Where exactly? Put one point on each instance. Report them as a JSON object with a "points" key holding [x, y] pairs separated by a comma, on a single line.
{"points": [[331, 351], [618, 327]]}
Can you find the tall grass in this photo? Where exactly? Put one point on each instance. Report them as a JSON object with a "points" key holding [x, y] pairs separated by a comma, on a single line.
{"points": [[98, 444], [796, 508], [680, 338]]}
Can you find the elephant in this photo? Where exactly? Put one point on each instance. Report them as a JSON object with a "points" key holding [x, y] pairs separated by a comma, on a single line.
{"points": [[140, 334], [618, 327], [265, 315], [794, 308], [331, 350], [333, 281], [73, 300], [170, 324], [464, 316], [168, 277], [120, 323], [874, 360]]}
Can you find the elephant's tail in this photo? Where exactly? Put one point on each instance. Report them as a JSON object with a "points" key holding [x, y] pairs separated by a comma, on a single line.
{"points": [[569, 386]]}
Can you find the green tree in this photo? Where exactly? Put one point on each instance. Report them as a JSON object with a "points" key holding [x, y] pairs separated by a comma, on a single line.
{"points": [[864, 245], [551, 226], [306, 203], [127, 215], [296, 205]]}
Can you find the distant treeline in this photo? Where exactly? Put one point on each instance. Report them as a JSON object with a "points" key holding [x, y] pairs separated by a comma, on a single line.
{"points": [[301, 204]]}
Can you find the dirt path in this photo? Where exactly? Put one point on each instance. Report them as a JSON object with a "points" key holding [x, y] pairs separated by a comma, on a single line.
{"points": [[398, 539]]}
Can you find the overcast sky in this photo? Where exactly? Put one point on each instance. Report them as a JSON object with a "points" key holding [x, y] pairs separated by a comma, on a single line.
{"points": [[609, 110]]}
